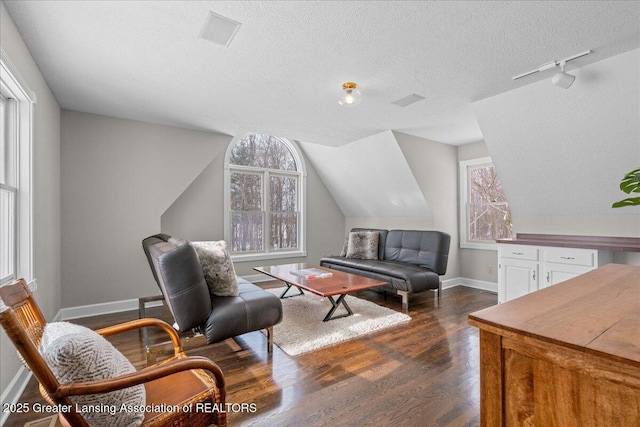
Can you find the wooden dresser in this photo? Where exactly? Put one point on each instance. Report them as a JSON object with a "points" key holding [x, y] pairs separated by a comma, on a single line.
{"points": [[567, 355]]}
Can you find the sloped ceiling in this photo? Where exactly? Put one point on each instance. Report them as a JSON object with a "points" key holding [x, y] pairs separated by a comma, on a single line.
{"points": [[281, 74], [369, 177], [564, 152]]}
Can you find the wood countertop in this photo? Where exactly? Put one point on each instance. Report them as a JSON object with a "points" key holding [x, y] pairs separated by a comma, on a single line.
{"points": [[626, 244], [597, 312]]}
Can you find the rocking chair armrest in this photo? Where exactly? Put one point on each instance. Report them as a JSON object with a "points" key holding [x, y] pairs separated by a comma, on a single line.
{"points": [[144, 375], [143, 323]]}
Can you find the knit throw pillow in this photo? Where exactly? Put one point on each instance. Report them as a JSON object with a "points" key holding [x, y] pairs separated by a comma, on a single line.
{"points": [[75, 354], [217, 268], [363, 244]]}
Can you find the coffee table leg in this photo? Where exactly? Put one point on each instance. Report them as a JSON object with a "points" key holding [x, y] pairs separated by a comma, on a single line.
{"points": [[335, 305], [289, 286]]}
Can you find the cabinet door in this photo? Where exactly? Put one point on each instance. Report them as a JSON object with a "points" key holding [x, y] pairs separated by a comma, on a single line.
{"points": [[556, 273], [517, 278]]}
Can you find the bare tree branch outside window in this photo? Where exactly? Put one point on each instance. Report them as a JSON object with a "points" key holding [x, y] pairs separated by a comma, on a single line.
{"points": [[489, 216]]}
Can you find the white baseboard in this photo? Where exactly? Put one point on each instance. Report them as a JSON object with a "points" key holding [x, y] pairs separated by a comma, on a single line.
{"points": [[256, 278], [102, 308], [479, 284]]}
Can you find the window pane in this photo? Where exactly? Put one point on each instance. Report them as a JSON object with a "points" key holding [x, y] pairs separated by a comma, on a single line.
{"points": [[7, 234], [489, 217], [247, 231], [246, 191], [490, 221], [284, 230], [484, 185], [284, 197], [263, 151]]}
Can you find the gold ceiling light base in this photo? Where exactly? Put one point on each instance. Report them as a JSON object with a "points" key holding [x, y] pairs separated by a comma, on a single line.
{"points": [[351, 96]]}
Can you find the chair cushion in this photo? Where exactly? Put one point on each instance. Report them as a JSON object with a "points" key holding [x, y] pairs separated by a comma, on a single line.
{"points": [[74, 354], [253, 309], [217, 268], [363, 244]]}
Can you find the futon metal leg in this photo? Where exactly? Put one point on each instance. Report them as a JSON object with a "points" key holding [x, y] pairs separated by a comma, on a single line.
{"points": [[289, 286], [405, 300], [439, 290], [270, 339], [335, 305]]}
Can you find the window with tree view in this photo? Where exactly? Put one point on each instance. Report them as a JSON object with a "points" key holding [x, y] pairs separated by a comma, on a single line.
{"points": [[486, 211], [265, 193]]}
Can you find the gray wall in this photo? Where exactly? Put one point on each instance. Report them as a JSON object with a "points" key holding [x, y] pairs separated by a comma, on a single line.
{"points": [[435, 167], [46, 188], [118, 178], [198, 214]]}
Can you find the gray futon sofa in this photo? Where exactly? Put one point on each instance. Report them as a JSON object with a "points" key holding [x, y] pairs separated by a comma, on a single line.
{"points": [[408, 260], [176, 267]]}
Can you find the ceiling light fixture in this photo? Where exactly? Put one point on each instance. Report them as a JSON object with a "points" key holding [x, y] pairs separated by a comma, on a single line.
{"points": [[351, 96], [560, 79]]}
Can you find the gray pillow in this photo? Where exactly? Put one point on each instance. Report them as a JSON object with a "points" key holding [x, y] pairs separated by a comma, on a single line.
{"points": [[363, 244], [217, 267], [75, 354]]}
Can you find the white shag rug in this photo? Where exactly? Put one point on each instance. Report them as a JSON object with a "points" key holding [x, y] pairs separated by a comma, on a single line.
{"points": [[302, 329]]}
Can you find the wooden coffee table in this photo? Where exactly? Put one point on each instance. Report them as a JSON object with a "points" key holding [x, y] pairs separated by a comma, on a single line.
{"points": [[339, 284]]}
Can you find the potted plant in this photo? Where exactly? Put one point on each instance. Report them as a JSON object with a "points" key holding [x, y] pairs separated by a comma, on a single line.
{"points": [[629, 184]]}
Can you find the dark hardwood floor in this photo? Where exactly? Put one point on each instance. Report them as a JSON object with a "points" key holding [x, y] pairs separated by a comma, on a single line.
{"points": [[421, 373]]}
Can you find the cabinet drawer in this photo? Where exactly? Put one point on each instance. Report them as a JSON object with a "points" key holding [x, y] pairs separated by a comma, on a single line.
{"points": [[583, 257], [519, 252]]}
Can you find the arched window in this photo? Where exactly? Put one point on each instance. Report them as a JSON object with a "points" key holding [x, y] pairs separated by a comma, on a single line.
{"points": [[264, 198]]}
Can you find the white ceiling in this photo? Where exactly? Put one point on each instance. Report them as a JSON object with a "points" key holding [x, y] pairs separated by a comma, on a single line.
{"points": [[282, 72]]}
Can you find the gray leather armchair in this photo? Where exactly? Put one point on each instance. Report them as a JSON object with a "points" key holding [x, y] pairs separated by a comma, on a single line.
{"points": [[177, 271]]}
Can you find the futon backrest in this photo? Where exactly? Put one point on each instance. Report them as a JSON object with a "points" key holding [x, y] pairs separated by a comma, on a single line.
{"points": [[177, 270], [429, 249]]}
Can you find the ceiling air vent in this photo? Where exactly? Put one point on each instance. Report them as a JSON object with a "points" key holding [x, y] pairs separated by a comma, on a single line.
{"points": [[408, 100], [219, 29]]}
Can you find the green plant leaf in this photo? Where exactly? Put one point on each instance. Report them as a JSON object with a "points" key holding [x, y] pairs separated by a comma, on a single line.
{"points": [[631, 182], [632, 201]]}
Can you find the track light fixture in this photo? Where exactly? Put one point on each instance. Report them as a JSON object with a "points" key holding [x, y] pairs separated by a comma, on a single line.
{"points": [[560, 79]]}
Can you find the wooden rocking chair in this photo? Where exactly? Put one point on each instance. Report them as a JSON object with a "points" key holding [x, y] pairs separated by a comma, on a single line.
{"points": [[176, 382]]}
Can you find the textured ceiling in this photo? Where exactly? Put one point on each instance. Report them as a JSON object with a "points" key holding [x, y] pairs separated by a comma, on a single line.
{"points": [[282, 72]]}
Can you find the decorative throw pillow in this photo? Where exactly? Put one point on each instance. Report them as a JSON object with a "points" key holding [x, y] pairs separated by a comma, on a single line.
{"points": [[344, 247], [74, 354], [217, 268], [363, 244]]}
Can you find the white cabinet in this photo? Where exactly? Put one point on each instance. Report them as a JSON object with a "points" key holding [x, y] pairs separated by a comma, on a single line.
{"points": [[525, 268]]}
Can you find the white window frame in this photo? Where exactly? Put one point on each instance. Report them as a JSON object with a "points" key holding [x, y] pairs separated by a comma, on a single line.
{"points": [[464, 204], [301, 172], [13, 86]]}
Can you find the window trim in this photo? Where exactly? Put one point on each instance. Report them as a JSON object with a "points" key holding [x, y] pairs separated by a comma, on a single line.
{"points": [[464, 196], [12, 85], [301, 172]]}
